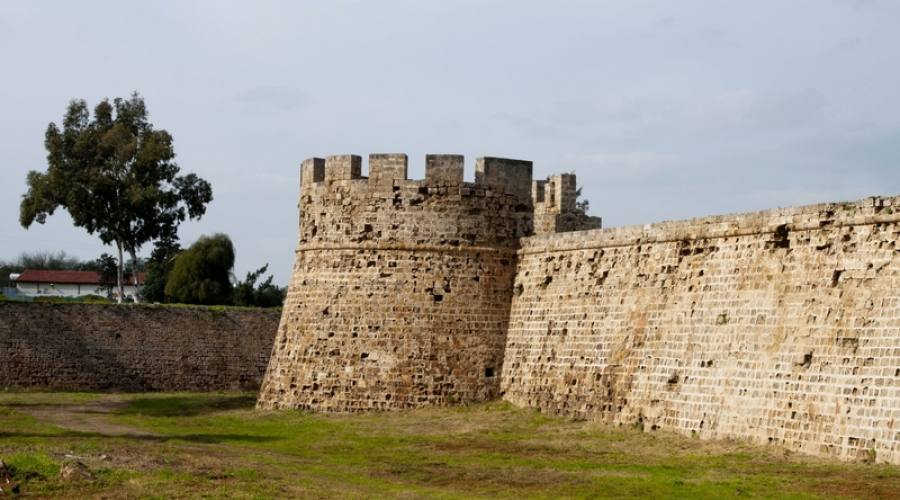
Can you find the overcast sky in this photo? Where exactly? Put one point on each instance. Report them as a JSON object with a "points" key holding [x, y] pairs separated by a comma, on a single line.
{"points": [[664, 109]]}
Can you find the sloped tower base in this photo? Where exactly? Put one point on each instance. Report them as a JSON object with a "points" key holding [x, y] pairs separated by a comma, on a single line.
{"points": [[401, 289]]}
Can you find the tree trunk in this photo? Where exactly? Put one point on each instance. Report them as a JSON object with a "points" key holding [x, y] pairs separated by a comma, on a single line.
{"points": [[120, 274], [134, 276]]}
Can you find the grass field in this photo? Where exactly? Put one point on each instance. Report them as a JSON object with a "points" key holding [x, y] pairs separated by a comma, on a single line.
{"points": [[217, 445]]}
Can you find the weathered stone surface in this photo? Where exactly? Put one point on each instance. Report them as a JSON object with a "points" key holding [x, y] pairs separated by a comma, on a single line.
{"points": [[779, 326], [401, 288], [555, 206], [136, 348]]}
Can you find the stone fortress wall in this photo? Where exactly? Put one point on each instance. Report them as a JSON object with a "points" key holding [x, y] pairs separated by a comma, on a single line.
{"points": [[134, 348], [401, 289], [779, 326]]}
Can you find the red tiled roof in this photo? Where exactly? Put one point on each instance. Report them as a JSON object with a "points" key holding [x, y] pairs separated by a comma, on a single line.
{"points": [[67, 277]]}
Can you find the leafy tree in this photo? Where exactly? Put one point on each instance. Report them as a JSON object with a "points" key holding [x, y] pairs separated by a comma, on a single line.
{"points": [[582, 205], [246, 293], [116, 176], [158, 268], [5, 270], [202, 273], [108, 268]]}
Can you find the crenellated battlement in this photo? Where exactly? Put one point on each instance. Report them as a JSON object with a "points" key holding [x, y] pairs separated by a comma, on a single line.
{"points": [[501, 175], [556, 208], [557, 194], [340, 204]]}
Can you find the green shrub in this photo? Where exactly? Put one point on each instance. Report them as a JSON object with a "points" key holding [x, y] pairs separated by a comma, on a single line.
{"points": [[202, 273]]}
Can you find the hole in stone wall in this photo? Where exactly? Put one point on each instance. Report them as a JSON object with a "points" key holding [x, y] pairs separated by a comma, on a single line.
{"points": [[438, 298], [489, 372], [363, 355], [781, 239], [603, 277], [807, 360], [836, 277]]}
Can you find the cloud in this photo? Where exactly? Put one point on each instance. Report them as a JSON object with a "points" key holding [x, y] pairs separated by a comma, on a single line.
{"points": [[525, 126], [627, 165], [666, 116], [272, 97], [861, 4], [851, 44], [751, 109]]}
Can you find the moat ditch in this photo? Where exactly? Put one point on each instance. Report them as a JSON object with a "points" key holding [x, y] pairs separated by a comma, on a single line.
{"points": [[216, 444]]}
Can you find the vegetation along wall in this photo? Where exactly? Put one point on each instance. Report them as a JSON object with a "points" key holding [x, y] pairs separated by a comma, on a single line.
{"points": [[140, 348], [780, 326]]}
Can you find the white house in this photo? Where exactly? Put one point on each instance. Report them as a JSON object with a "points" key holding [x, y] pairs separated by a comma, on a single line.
{"points": [[46, 283]]}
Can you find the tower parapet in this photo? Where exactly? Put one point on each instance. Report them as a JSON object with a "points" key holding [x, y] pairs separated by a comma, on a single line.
{"points": [[341, 206], [556, 208], [401, 288]]}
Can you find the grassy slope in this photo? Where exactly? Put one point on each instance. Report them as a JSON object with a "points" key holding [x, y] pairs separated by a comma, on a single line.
{"points": [[216, 444]]}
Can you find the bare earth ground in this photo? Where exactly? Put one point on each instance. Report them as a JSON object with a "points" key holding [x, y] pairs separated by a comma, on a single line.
{"points": [[217, 445], [89, 417]]}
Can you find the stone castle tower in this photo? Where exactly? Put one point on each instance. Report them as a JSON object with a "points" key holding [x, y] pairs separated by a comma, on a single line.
{"points": [[401, 289]]}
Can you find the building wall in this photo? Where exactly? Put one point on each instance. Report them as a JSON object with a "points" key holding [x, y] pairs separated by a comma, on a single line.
{"points": [[779, 327], [136, 348], [67, 290]]}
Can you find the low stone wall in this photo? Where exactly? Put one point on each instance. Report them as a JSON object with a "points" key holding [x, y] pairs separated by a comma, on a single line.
{"points": [[779, 327], [133, 348]]}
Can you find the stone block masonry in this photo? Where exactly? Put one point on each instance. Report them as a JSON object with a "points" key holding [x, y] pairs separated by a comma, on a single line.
{"points": [[133, 348], [401, 288], [779, 327]]}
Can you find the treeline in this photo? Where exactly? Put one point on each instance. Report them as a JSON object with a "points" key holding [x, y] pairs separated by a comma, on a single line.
{"points": [[55, 261], [200, 274]]}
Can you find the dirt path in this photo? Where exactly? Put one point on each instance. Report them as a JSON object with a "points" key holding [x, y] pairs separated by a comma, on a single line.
{"points": [[90, 417]]}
